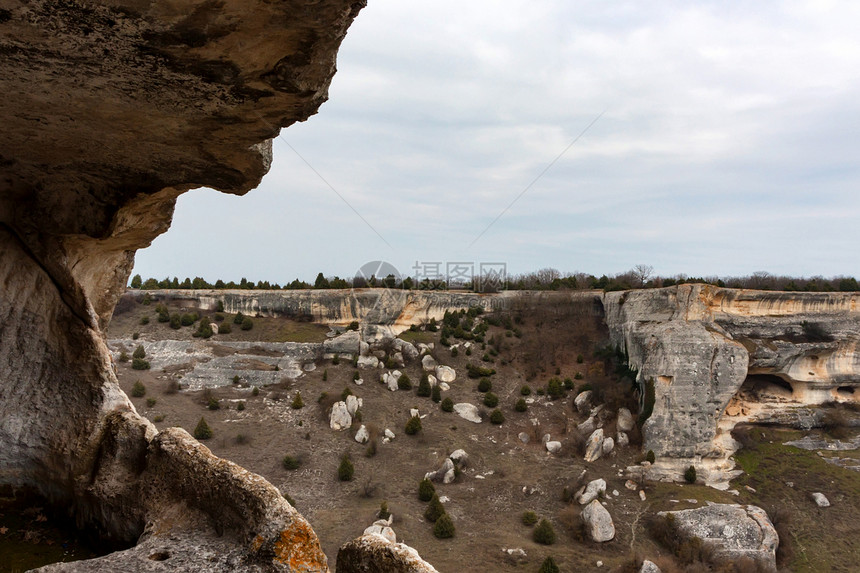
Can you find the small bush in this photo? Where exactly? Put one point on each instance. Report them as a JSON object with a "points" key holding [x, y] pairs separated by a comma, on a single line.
{"points": [[138, 390], [335, 360], [139, 352], [356, 376], [548, 566], [540, 392], [444, 528], [255, 391], [496, 417], [158, 419], [150, 402], [298, 403], [202, 431], [554, 389], [345, 470], [213, 404], [242, 439], [529, 518], [219, 317], [383, 512], [485, 385], [544, 533], [172, 387], [353, 325], [292, 463], [424, 389], [436, 394], [404, 383], [454, 353], [650, 457], [225, 328], [426, 490], [240, 406], [568, 384], [175, 321], [435, 509], [219, 306], [140, 364], [325, 376], [475, 371], [289, 498], [413, 426], [247, 324], [690, 475], [186, 319], [144, 320], [491, 400], [521, 405], [525, 390], [577, 376], [345, 393], [238, 318], [447, 405], [123, 356]]}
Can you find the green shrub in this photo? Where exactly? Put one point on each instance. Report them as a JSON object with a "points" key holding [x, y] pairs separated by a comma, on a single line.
{"points": [[290, 499], [298, 403], [525, 390], [164, 316], [247, 324], [186, 319], [139, 364], [219, 307], [485, 385], [413, 426], [138, 390], [454, 353], [444, 527], [213, 404], [447, 405], [435, 509], [325, 376], [521, 405], [219, 317], [202, 431], [255, 391], [345, 470], [544, 533], [476, 371], [491, 400], [577, 376], [204, 329], [238, 318], [353, 325], [426, 490], [436, 394], [529, 518], [175, 321], [383, 512], [356, 376], [404, 383], [225, 328], [335, 360], [346, 392], [424, 389], [496, 417], [468, 352], [690, 475], [144, 320], [240, 406], [150, 402], [554, 389], [158, 419], [292, 463], [123, 356], [139, 352], [579, 359], [568, 384], [548, 566], [650, 457], [135, 336], [540, 392]]}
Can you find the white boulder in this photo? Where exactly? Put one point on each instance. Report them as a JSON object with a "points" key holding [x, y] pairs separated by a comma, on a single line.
{"points": [[583, 402], [598, 522], [594, 446], [820, 499], [353, 403], [445, 374], [340, 418], [592, 491], [428, 363], [553, 447], [625, 420], [468, 412], [362, 436]]}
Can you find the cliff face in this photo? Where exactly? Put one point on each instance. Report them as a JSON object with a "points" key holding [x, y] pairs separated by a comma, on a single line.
{"points": [[712, 353], [110, 111]]}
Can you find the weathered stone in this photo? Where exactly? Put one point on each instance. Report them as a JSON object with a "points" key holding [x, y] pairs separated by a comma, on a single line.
{"points": [[588, 426], [459, 456], [734, 531], [553, 447], [622, 440], [445, 374], [523, 437], [820, 499], [428, 363], [594, 446], [649, 567], [592, 491], [468, 412], [353, 403], [340, 419], [625, 421], [598, 522], [368, 361], [362, 435], [432, 380], [583, 402], [382, 528], [374, 553], [347, 343], [608, 446], [389, 434]]}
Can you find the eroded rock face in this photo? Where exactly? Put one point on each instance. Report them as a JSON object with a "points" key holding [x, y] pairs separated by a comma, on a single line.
{"points": [[110, 111], [373, 553]]}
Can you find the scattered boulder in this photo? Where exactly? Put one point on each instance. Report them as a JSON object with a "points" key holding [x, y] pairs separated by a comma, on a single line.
{"points": [[442, 472], [733, 531], [414, 413], [445, 374], [397, 357], [524, 438], [340, 418], [624, 422], [444, 387], [390, 379], [347, 343], [583, 402], [389, 434], [406, 349], [592, 490], [425, 348], [820, 499], [368, 361], [608, 446], [587, 426], [362, 436], [553, 447], [631, 485], [428, 363], [468, 412], [622, 440], [594, 446], [649, 567], [598, 522], [382, 527], [432, 380], [459, 456], [373, 552], [353, 403], [642, 495]]}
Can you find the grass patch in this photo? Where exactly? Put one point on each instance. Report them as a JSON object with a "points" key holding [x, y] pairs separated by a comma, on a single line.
{"points": [[416, 337]]}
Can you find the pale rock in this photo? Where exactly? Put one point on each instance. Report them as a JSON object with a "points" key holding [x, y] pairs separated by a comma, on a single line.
{"points": [[524, 438], [599, 564], [594, 446], [347, 343], [214, 327], [546, 438], [553, 447], [444, 499], [363, 348], [592, 491], [587, 427], [598, 522], [820, 499], [459, 456], [631, 485], [397, 357], [642, 495], [583, 402], [389, 434], [624, 421], [309, 367], [406, 349], [432, 380], [359, 381], [468, 412], [515, 552], [428, 363], [383, 530], [608, 446], [444, 387], [413, 413], [649, 567], [373, 552], [616, 493], [445, 374], [362, 436], [622, 440], [340, 418], [368, 361], [449, 476], [353, 403]]}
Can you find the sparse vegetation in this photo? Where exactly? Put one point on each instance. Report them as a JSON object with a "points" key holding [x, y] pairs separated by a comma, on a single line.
{"points": [[138, 390], [484, 385], [297, 403], [444, 527], [690, 474], [544, 533], [426, 490], [436, 394], [650, 457], [434, 510], [202, 431], [548, 566], [529, 518], [491, 400], [521, 405], [150, 402], [424, 389], [496, 417], [404, 383], [447, 405], [292, 463], [413, 426], [345, 471]]}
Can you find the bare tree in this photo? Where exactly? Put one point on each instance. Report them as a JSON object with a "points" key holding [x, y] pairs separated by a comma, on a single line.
{"points": [[642, 273]]}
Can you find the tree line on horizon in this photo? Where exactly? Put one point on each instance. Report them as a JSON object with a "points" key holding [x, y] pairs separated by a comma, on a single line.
{"points": [[639, 277]]}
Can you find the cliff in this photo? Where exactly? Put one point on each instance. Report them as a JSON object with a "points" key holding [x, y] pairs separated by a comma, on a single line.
{"points": [[716, 355], [110, 111]]}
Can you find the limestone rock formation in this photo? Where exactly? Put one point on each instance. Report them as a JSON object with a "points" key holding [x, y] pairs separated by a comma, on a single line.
{"points": [[340, 418], [445, 374], [110, 111], [591, 491], [468, 412], [594, 446], [734, 531], [598, 522], [372, 553]]}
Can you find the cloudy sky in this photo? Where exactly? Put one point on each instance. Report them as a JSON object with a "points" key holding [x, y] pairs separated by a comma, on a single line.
{"points": [[728, 144]]}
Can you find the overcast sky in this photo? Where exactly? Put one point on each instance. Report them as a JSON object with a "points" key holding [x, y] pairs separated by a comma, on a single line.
{"points": [[728, 144]]}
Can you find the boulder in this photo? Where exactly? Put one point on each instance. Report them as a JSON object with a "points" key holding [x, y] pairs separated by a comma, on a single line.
{"points": [[608, 446], [362, 435], [444, 387], [588, 426], [389, 434], [583, 402], [397, 357], [442, 473], [373, 552], [445, 374], [428, 363], [340, 418], [649, 567], [598, 522], [624, 422], [468, 412], [592, 491], [524, 438], [432, 380], [449, 476], [622, 440], [353, 403], [414, 413], [459, 456], [383, 528], [820, 499], [368, 361], [407, 349], [734, 531], [347, 343], [594, 446], [553, 447]]}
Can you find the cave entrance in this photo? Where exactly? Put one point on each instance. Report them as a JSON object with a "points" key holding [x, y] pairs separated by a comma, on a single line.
{"points": [[766, 388]]}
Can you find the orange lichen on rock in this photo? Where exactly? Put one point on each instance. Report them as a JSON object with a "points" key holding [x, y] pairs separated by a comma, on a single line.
{"points": [[299, 548]]}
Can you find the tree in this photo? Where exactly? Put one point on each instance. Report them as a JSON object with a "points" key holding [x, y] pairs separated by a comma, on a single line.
{"points": [[444, 528], [436, 394], [139, 352], [404, 383], [447, 405], [202, 431], [247, 323], [238, 318], [298, 403], [136, 281], [641, 274], [548, 566], [435, 509], [690, 474], [413, 426], [544, 533], [497, 417], [138, 390], [426, 490], [321, 282], [346, 470], [424, 389]]}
